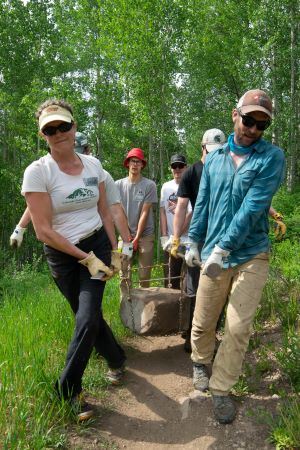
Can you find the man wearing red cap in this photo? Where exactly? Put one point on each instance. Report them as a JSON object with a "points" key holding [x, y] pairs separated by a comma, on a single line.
{"points": [[137, 196], [231, 220]]}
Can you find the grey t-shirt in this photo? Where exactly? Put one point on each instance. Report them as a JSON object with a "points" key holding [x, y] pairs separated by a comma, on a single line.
{"points": [[133, 197], [112, 192]]}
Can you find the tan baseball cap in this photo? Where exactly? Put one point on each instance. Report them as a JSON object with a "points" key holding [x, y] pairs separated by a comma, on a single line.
{"points": [[54, 112], [255, 100]]}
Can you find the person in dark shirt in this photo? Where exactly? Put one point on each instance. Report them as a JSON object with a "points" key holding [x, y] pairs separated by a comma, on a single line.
{"points": [[188, 191]]}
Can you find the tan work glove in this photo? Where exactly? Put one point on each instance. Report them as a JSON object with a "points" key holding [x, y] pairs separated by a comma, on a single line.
{"points": [[116, 260], [95, 265], [174, 247], [280, 227]]}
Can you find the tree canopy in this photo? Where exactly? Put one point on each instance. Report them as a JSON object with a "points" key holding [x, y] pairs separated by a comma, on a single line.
{"points": [[153, 74]]}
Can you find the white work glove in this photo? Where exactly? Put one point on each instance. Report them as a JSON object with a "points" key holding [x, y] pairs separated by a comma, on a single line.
{"points": [[214, 263], [16, 238], [95, 265], [165, 242], [192, 253], [126, 248]]}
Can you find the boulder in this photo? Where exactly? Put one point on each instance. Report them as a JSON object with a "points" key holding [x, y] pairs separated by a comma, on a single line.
{"points": [[155, 311]]}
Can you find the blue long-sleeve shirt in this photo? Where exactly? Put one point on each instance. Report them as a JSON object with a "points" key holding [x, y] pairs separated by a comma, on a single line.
{"points": [[233, 203]]}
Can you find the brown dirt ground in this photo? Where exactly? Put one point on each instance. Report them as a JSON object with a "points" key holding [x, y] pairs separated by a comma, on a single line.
{"points": [[157, 408]]}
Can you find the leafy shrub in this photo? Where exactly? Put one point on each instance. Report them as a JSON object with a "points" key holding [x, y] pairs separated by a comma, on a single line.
{"points": [[285, 202], [289, 357], [285, 432], [288, 205], [286, 259], [289, 312]]}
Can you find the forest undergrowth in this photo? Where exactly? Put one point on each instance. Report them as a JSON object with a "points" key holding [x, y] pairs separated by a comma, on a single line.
{"points": [[36, 326]]}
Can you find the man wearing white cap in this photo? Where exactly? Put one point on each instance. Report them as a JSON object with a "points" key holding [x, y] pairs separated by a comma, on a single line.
{"points": [[187, 192], [231, 221]]}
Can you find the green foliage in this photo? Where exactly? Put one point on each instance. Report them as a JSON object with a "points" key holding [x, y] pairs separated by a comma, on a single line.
{"points": [[142, 74], [289, 205], [285, 432], [289, 357], [28, 369], [242, 387], [36, 327], [146, 74], [286, 202], [264, 364], [286, 260], [289, 313], [280, 304], [273, 292]]}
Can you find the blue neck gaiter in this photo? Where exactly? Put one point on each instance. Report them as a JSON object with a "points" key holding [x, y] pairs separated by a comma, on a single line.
{"points": [[239, 149]]}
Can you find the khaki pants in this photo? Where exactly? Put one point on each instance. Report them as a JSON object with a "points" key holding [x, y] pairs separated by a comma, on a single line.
{"points": [[145, 258], [243, 286]]}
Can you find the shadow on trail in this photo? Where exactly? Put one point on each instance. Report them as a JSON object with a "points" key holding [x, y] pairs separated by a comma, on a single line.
{"points": [[154, 410], [158, 361]]}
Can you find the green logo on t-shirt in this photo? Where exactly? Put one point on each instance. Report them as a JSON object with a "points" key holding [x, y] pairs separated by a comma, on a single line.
{"points": [[82, 193]]}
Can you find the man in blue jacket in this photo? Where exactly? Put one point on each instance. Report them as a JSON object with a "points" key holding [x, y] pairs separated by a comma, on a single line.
{"points": [[231, 218]]}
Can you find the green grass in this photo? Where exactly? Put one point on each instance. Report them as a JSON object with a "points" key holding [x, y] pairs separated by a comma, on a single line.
{"points": [[280, 308], [289, 358], [36, 327], [286, 432]]}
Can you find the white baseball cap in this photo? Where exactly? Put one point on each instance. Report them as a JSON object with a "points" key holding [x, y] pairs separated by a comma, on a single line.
{"points": [[213, 139], [80, 142]]}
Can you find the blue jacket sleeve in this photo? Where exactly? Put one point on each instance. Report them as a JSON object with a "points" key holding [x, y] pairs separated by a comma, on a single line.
{"points": [[198, 226], [256, 202]]}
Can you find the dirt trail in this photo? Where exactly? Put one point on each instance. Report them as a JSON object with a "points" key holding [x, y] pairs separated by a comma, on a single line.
{"points": [[157, 408]]}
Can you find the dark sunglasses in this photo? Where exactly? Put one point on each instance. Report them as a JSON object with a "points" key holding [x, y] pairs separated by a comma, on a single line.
{"points": [[178, 166], [249, 122], [62, 127]]}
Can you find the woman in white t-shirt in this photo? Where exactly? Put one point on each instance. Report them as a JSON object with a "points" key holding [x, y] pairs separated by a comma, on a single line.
{"points": [[66, 198]]}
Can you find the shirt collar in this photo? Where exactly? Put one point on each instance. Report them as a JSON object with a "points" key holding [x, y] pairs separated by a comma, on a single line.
{"points": [[259, 148]]}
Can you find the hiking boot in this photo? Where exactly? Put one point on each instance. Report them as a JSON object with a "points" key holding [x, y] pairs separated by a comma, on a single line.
{"points": [[116, 376], [81, 408], [224, 408], [200, 377]]}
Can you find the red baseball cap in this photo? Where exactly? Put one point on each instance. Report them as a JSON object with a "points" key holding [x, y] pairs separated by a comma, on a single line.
{"points": [[135, 152]]}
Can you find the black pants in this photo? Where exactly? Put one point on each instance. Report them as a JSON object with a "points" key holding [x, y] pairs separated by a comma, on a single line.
{"points": [[85, 298], [175, 270], [193, 275]]}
